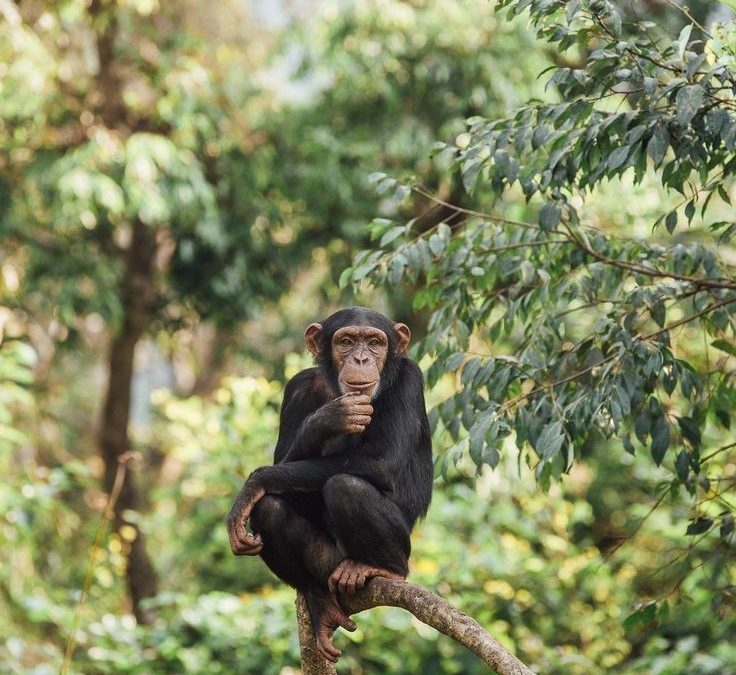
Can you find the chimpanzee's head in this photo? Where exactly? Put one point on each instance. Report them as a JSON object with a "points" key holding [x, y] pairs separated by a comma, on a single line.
{"points": [[358, 349]]}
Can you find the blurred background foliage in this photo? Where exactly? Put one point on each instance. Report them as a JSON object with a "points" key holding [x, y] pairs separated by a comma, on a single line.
{"points": [[183, 186]]}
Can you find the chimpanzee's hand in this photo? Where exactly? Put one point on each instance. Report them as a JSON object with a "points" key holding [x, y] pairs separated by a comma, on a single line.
{"points": [[243, 542], [347, 414]]}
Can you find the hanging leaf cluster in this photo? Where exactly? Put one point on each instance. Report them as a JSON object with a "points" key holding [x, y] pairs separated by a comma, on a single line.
{"points": [[560, 333]]}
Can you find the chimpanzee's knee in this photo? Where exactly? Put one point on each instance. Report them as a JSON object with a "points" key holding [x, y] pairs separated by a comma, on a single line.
{"points": [[343, 489], [368, 525], [268, 515]]}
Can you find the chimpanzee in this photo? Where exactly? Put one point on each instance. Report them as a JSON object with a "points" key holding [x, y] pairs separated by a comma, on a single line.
{"points": [[352, 469]]}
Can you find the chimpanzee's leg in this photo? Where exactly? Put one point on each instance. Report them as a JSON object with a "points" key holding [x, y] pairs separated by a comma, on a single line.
{"points": [[369, 529], [301, 553], [295, 547]]}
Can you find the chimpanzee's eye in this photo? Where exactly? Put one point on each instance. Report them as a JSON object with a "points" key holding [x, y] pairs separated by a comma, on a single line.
{"points": [[375, 342], [346, 342]]}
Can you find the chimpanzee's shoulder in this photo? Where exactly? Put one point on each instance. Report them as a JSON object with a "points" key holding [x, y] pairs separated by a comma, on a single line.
{"points": [[410, 371], [307, 382]]}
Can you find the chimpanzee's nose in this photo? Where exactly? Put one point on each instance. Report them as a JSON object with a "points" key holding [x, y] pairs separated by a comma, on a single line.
{"points": [[362, 357]]}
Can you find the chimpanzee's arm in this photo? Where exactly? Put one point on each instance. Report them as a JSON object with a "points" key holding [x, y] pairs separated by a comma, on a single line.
{"points": [[297, 438], [301, 475], [308, 421], [400, 433]]}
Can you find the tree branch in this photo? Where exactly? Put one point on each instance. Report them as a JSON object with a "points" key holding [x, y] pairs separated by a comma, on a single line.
{"points": [[425, 606]]}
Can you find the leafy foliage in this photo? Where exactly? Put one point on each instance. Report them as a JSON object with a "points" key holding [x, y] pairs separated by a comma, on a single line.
{"points": [[130, 141], [566, 382], [563, 334], [16, 361], [528, 568]]}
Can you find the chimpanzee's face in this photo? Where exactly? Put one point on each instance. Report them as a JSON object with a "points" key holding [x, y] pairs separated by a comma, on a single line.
{"points": [[359, 354]]}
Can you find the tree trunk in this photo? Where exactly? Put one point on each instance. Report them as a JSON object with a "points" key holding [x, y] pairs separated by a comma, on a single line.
{"points": [[137, 297]]}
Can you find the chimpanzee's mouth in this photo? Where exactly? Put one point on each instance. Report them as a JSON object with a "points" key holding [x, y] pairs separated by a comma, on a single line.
{"points": [[360, 385]]}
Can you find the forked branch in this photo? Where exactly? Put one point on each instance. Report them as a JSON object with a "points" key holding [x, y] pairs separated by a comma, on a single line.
{"points": [[425, 606]]}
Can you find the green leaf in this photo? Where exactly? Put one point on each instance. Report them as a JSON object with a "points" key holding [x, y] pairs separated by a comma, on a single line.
{"points": [[345, 277], [699, 526], [642, 426], [670, 222], [660, 439], [437, 244], [618, 157], [682, 465], [724, 346], [549, 216], [659, 312], [689, 101], [658, 144], [393, 234], [689, 430], [641, 617], [490, 456], [683, 39], [455, 361], [376, 177], [402, 192], [478, 433], [471, 171], [690, 210], [727, 523], [550, 440], [723, 194]]}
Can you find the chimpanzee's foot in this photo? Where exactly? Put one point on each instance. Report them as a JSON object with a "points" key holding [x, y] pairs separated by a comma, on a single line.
{"points": [[351, 575], [327, 616]]}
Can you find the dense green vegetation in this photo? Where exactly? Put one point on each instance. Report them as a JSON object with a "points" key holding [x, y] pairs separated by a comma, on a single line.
{"points": [[183, 190]]}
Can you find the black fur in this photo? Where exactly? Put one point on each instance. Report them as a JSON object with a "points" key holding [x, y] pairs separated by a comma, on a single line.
{"points": [[331, 496]]}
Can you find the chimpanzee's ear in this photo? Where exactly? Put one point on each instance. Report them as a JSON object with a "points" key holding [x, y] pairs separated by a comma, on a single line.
{"points": [[313, 338], [404, 335]]}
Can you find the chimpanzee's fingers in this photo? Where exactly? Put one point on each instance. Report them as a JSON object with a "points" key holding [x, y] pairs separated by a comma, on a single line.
{"points": [[354, 428], [360, 580], [351, 397], [248, 550], [342, 584], [350, 585], [332, 580], [237, 533], [248, 545], [354, 398], [358, 420], [362, 409]]}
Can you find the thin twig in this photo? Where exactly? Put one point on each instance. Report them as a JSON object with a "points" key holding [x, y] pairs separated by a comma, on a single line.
{"points": [[717, 452], [692, 317], [686, 12], [651, 271], [724, 283], [638, 527]]}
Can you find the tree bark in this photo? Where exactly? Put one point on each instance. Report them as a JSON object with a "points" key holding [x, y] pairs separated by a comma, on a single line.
{"points": [[137, 297], [425, 606]]}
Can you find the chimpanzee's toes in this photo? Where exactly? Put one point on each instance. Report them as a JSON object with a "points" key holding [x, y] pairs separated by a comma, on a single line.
{"points": [[325, 646], [327, 615]]}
